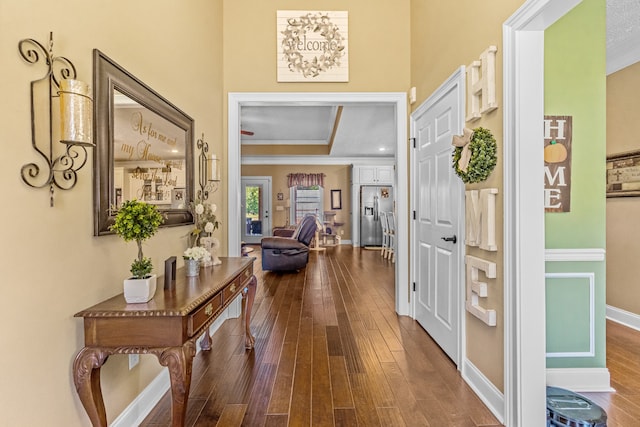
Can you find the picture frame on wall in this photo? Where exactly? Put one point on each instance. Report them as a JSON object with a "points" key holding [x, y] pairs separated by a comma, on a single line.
{"points": [[336, 199], [623, 174]]}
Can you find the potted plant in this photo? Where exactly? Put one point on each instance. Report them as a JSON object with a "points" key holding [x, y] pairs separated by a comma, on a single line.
{"points": [[193, 257], [138, 221]]}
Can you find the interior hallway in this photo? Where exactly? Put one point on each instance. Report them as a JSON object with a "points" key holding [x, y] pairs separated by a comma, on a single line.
{"points": [[330, 351]]}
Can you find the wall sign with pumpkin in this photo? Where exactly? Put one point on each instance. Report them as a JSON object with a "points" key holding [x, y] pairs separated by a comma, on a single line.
{"points": [[558, 132]]}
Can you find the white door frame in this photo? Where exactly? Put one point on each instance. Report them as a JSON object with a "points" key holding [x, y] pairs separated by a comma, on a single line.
{"points": [[399, 99], [524, 290], [267, 198], [458, 78]]}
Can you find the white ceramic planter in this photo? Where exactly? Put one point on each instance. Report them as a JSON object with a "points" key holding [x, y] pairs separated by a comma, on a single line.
{"points": [[139, 290]]}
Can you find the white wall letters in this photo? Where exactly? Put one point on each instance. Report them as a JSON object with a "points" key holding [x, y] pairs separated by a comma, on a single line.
{"points": [[477, 289], [481, 85], [480, 218]]}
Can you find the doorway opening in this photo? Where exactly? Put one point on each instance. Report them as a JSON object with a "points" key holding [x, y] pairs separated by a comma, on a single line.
{"points": [[397, 100]]}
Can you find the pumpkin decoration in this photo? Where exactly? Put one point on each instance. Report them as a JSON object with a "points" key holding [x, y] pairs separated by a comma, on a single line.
{"points": [[555, 152], [482, 158]]}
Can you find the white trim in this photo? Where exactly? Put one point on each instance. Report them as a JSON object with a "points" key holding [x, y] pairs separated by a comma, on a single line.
{"points": [[580, 379], [457, 79], [575, 255], [398, 99], [626, 318], [316, 160], [523, 88], [486, 391], [135, 413], [144, 403], [592, 314], [286, 142]]}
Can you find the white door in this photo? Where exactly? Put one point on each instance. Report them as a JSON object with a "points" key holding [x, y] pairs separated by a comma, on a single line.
{"points": [[438, 196], [256, 208]]}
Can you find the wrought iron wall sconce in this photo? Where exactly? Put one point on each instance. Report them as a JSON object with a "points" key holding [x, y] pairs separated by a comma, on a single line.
{"points": [[209, 170], [75, 115]]}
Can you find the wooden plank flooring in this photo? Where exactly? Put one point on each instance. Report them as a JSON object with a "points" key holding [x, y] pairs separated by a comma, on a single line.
{"points": [[623, 361], [330, 351]]}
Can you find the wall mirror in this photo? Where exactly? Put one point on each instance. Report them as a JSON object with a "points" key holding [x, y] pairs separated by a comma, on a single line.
{"points": [[144, 147]]}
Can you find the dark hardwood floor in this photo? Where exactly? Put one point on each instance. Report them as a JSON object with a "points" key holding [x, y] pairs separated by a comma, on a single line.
{"points": [[330, 351], [623, 361]]}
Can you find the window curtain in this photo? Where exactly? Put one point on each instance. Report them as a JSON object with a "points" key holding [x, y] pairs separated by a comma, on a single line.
{"points": [[305, 179]]}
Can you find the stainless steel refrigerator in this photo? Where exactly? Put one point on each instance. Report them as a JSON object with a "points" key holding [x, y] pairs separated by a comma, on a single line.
{"points": [[373, 200]]}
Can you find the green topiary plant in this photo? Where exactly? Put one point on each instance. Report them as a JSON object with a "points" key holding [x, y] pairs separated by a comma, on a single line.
{"points": [[137, 221]]}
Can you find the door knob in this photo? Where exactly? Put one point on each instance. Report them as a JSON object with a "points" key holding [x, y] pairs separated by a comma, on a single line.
{"points": [[453, 239]]}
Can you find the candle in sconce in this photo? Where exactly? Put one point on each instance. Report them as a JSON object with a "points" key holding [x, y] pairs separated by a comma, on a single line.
{"points": [[76, 114], [214, 168]]}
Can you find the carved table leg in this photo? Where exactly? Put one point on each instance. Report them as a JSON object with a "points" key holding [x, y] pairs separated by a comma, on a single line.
{"points": [[205, 343], [248, 295], [179, 360], [86, 377]]}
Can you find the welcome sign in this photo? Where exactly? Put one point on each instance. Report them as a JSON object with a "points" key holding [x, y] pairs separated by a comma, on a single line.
{"points": [[312, 46]]}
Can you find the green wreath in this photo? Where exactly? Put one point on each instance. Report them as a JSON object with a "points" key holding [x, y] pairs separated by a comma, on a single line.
{"points": [[483, 157]]}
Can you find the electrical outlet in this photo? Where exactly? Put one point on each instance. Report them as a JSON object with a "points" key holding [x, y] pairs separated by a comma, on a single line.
{"points": [[341, 232], [133, 360]]}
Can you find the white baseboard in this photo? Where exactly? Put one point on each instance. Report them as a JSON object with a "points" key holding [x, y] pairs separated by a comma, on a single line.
{"points": [[486, 391], [580, 379], [623, 317], [144, 403]]}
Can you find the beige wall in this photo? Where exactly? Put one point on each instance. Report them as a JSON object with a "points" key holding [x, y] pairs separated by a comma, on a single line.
{"points": [[338, 177], [52, 265], [444, 38], [623, 233]]}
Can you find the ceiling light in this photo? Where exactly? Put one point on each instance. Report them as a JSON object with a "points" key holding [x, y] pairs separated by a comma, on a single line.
{"points": [[382, 149]]}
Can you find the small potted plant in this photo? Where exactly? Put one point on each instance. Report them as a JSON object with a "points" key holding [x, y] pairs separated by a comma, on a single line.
{"points": [[138, 221], [193, 257]]}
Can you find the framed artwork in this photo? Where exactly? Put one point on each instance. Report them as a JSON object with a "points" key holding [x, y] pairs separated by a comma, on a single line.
{"points": [[178, 198], [623, 174], [313, 46], [336, 199]]}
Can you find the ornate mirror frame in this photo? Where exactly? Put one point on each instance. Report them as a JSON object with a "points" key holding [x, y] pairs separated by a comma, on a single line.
{"points": [[107, 78]]}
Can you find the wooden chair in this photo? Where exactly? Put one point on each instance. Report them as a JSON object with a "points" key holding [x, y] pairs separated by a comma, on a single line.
{"points": [[391, 225], [385, 234]]}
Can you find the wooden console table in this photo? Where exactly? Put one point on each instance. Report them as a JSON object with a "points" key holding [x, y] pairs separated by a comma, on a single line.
{"points": [[167, 326]]}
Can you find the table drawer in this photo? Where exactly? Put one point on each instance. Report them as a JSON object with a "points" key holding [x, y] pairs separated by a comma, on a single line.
{"points": [[203, 314], [232, 289]]}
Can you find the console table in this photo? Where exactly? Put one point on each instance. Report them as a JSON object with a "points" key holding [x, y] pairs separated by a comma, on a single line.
{"points": [[167, 326]]}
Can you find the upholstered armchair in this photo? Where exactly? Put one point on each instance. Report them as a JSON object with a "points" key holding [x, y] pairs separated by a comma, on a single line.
{"points": [[289, 253]]}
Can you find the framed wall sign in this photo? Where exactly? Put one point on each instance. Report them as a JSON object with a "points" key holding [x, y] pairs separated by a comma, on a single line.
{"points": [[623, 174], [312, 46], [558, 141], [336, 199]]}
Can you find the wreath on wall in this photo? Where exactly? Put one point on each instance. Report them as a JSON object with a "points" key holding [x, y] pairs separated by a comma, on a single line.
{"points": [[475, 155], [331, 53]]}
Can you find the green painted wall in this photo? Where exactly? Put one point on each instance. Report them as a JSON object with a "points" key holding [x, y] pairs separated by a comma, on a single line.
{"points": [[575, 85]]}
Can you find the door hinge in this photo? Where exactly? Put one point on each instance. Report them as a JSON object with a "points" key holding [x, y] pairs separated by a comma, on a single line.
{"points": [[414, 286]]}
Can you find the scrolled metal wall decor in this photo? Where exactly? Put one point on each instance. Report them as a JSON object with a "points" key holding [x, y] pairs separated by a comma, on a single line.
{"points": [[59, 170]]}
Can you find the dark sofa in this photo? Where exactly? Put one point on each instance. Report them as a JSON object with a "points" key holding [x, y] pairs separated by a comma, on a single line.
{"points": [[289, 253]]}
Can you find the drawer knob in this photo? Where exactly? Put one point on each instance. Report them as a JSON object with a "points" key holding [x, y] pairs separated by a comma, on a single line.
{"points": [[208, 310], [233, 287]]}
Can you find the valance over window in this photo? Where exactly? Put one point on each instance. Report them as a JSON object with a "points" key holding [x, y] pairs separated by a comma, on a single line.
{"points": [[305, 179]]}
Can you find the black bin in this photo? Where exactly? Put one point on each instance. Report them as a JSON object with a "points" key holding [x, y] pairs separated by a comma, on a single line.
{"points": [[568, 409]]}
